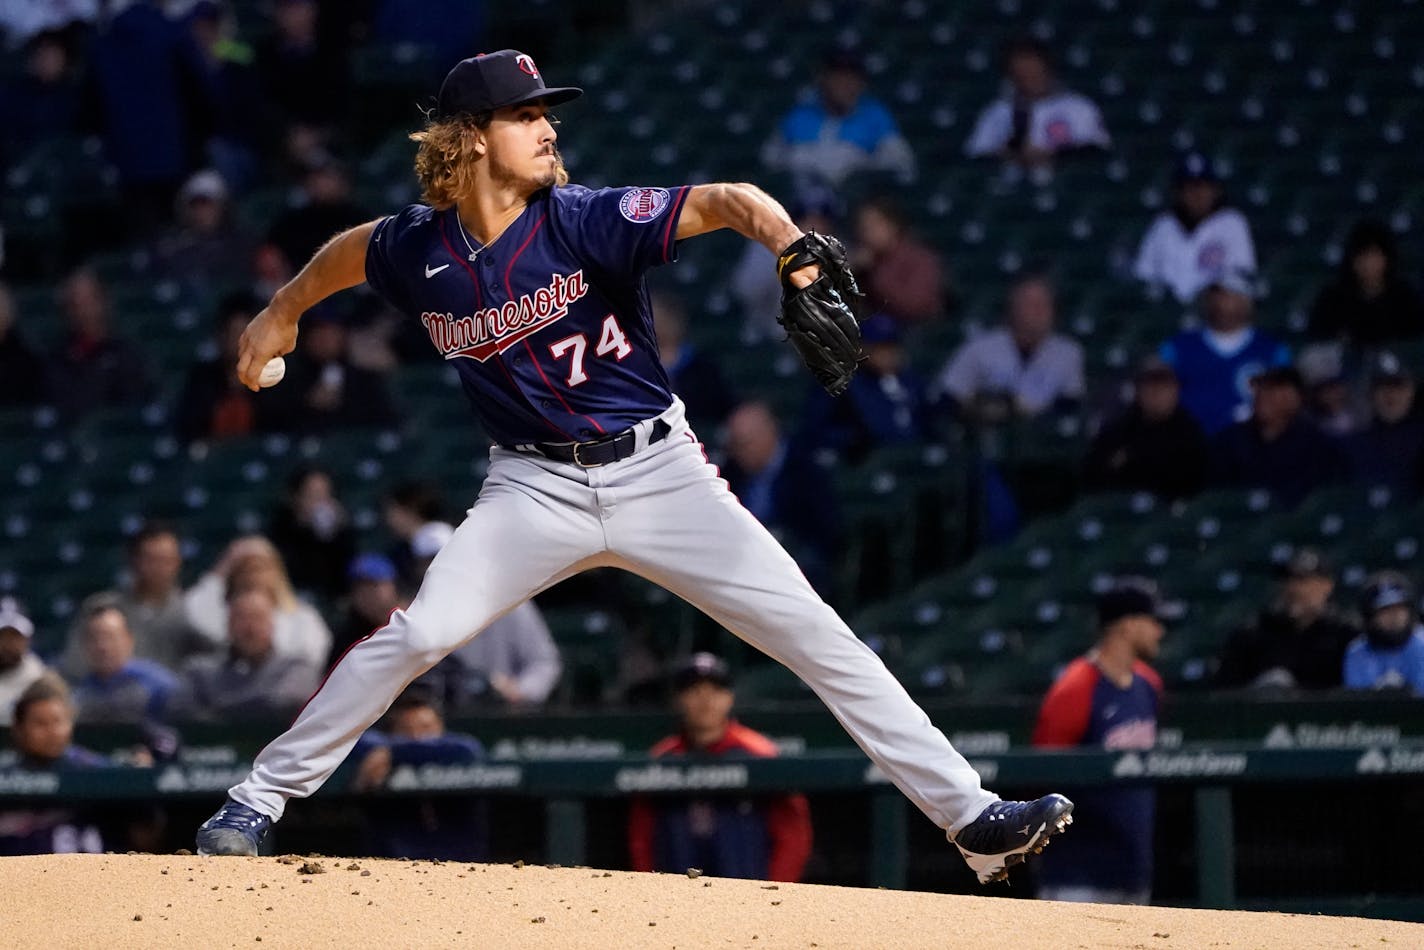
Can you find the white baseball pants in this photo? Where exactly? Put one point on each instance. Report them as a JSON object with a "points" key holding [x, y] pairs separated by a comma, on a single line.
{"points": [[666, 515]]}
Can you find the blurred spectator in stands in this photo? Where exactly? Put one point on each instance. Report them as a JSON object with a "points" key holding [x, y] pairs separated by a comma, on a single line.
{"points": [[1278, 448], [322, 389], [205, 249], [513, 662], [21, 22], [899, 274], [152, 601], [1022, 368], [1297, 641], [1035, 121], [22, 381], [841, 132], [1329, 400], [236, 121], [153, 95], [43, 734], [1390, 653], [304, 75], [42, 103], [1199, 240], [784, 488], [755, 283], [1215, 363], [1109, 699], [117, 686], [92, 368], [214, 404], [884, 405], [313, 532], [694, 373], [253, 560], [444, 31], [371, 598], [251, 681], [1389, 450], [766, 838], [324, 208], [19, 666], [406, 507], [445, 827], [1154, 446], [1370, 302]]}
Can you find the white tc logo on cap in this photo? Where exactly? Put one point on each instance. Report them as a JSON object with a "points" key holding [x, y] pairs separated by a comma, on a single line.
{"points": [[526, 64]]}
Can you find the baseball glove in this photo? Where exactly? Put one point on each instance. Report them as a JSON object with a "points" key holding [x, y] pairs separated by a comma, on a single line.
{"points": [[820, 319]]}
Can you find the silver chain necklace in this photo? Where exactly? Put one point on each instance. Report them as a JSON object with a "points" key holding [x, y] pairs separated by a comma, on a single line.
{"points": [[464, 236]]}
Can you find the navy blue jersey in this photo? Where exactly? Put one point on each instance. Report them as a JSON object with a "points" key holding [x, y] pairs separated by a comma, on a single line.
{"points": [[549, 326], [1111, 847]]}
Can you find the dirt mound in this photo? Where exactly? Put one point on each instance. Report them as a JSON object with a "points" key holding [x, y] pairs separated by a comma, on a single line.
{"points": [[158, 901]]}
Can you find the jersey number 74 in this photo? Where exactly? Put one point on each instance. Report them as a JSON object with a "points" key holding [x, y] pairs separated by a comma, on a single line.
{"points": [[610, 340]]}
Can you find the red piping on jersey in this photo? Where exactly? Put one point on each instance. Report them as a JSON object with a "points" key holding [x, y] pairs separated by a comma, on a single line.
{"points": [[558, 395], [479, 303], [510, 269], [509, 291], [672, 219]]}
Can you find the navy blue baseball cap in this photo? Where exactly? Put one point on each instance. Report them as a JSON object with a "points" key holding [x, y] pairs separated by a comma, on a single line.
{"points": [[1128, 597], [372, 567], [493, 81], [1196, 166], [702, 668]]}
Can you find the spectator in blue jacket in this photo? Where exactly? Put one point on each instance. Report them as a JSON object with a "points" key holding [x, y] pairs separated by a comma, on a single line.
{"points": [[1216, 362], [117, 686], [414, 741], [844, 130], [1278, 448], [784, 488], [884, 405], [1390, 654]]}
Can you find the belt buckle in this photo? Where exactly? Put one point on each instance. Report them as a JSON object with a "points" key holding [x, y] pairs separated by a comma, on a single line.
{"points": [[580, 462]]}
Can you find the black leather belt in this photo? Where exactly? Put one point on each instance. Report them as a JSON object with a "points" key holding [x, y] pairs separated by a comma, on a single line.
{"points": [[610, 448]]}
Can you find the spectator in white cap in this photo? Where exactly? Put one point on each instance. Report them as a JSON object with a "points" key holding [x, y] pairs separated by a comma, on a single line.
{"points": [[206, 247], [19, 667]]}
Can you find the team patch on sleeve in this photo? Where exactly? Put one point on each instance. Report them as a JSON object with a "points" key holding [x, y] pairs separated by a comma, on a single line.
{"points": [[643, 204]]}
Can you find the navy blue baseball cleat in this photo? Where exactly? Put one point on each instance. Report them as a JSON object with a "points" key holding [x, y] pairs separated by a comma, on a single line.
{"points": [[235, 829], [1006, 833]]}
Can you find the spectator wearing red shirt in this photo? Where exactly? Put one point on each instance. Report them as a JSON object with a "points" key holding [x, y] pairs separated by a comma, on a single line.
{"points": [[767, 838], [901, 275], [1109, 699]]}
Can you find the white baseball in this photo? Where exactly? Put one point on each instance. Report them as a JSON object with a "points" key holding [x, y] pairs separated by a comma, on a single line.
{"points": [[273, 372]]}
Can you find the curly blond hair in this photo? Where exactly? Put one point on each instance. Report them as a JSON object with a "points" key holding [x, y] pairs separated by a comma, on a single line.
{"points": [[445, 160]]}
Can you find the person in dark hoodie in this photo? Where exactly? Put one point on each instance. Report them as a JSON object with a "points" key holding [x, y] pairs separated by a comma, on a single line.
{"points": [[1155, 445], [1278, 448], [1199, 239], [1369, 302], [1390, 449]]}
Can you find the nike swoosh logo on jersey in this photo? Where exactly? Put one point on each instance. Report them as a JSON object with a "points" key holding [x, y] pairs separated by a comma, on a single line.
{"points": [[432, 271]]}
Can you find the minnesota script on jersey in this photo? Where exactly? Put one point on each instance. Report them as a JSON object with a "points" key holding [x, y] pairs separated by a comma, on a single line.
{"points": [[549, 326]]}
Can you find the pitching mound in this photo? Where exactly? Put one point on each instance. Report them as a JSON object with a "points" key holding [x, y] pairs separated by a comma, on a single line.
{"points": [[155, 901]]}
